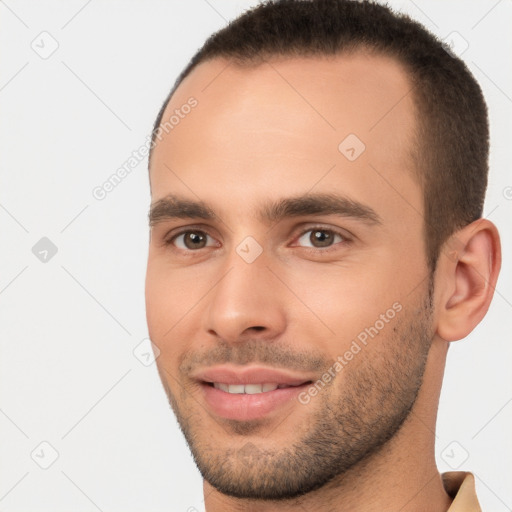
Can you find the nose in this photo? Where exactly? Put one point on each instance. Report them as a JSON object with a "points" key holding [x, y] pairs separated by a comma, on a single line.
{"points": [[246, 303]]}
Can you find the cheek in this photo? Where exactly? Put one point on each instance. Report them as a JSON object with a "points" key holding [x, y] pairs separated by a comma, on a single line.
{"points": [[345, 297], [155, 299], [166, 286], [172, 305], [165, 303]]}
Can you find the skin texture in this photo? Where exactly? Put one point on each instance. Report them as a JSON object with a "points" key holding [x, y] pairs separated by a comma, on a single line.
{"points": [[267, 132]]}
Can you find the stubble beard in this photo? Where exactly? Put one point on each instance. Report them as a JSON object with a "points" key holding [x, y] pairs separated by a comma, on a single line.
{"points": [[346, 426]]}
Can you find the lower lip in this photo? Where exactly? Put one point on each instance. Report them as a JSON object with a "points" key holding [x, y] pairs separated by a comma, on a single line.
{"points": [[245, 407]]}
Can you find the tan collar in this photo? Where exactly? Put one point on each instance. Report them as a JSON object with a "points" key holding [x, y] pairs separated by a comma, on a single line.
{"points": [[460, 485]]}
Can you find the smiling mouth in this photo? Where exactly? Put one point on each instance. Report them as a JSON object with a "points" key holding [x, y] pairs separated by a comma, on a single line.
{"points": [[252, 389], [245, 401]]}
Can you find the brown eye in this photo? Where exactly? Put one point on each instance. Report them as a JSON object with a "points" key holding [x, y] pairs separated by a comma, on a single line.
{"points": [[319, 238], [190, 240]]}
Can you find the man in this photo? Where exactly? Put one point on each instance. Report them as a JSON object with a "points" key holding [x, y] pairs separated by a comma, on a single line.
{"points": [[317, 176]]}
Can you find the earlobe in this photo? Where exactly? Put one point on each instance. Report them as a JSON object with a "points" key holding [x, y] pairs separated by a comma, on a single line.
{"points": [[467, 278]]}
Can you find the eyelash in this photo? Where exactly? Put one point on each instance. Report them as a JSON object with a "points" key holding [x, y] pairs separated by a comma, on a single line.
{"points": [[345, 239]]}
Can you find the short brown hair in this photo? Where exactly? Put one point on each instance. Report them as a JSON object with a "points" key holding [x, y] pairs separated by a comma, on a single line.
{"points": [[452, 145]]}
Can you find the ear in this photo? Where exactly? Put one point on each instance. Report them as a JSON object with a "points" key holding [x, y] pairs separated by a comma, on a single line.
{"points": [[467, 271]]}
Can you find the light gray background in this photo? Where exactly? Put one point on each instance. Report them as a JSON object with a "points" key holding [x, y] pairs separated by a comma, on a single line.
{"points": [[69, 376]]}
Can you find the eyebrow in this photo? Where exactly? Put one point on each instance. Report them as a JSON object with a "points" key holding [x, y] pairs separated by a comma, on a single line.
{"points": [[173, 207]]}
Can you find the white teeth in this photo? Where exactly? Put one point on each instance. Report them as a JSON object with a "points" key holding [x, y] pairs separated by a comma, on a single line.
{"points": [[236, 388], [252, 389], [249, 389]]}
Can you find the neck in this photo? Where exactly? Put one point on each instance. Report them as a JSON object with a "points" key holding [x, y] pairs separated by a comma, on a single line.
{"points": [[402, 475]]}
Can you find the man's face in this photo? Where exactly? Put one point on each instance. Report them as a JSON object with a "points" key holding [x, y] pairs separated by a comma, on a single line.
{"points": [[275, 283]]}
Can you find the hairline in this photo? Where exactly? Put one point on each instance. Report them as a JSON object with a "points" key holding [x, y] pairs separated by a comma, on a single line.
{"points": [[354, 49]]}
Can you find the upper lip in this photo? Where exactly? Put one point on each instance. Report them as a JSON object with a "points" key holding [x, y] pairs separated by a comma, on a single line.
{"points": [[250, 375]]}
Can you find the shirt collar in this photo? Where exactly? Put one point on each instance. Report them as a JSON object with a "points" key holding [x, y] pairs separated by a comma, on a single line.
{"points": [[460, 485]]}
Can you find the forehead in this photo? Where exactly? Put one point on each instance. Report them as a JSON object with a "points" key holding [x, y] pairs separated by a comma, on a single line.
{"points": [[288, 125]]}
